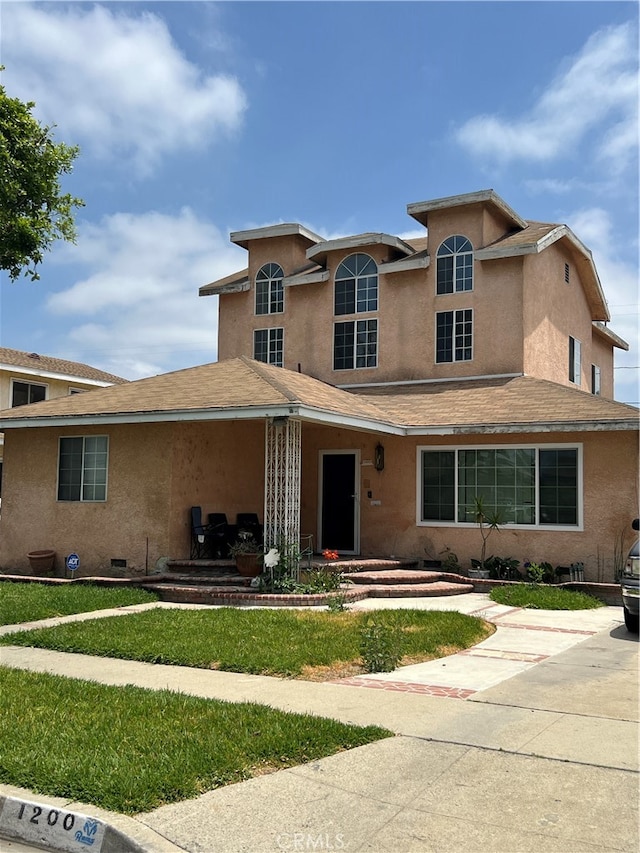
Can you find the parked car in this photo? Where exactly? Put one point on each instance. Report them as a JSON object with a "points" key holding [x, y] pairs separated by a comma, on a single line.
{"points": [[630, 583]]}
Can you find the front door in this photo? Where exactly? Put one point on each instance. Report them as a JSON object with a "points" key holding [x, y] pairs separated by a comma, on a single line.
{"points": [[339, 501]]}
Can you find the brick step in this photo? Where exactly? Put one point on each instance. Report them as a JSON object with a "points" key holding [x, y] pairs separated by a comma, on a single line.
{"points": [[417, 590], [203, 578], [403, 576]]}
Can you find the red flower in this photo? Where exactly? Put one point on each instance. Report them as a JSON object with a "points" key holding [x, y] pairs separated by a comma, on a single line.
{"points": [[330, 555]]}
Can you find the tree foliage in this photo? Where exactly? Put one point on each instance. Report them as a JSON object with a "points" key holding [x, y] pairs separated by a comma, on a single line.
{"points": [[34, 213]]}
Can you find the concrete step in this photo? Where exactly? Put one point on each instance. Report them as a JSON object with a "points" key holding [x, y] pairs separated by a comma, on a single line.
{"points": [[403, 576]]}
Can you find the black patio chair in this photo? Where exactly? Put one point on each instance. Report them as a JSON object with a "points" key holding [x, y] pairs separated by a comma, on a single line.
{"points": [[222, 534], [203, 538], [248, 522]]}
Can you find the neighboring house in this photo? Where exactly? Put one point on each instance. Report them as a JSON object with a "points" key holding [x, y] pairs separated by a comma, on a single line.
{"points": [[369, 388], [28, 377]]}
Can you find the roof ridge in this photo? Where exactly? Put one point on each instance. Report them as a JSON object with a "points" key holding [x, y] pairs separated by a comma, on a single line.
{"points": [[262, 371]]}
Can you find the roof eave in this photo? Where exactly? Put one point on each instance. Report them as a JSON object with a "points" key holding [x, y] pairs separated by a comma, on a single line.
{"points": [[420, 210], [319, 252], [618, 424], [285, 229]]}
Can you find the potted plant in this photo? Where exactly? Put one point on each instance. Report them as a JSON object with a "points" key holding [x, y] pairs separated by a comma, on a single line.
{"points": [[487, 521], [248, 555]]}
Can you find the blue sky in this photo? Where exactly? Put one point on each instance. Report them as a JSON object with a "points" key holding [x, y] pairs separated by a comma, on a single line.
{"points": [[195, 119]]}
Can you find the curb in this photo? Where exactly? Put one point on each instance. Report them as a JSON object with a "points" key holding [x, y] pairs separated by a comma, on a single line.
{"points": [[62, 825]]}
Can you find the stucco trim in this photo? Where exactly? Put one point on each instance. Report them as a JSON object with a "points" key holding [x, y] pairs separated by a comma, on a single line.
{"points": [[622, 424], [316, 277], [358, 241], [419, 210], [283, 229], [417, 262], [216, 289]]}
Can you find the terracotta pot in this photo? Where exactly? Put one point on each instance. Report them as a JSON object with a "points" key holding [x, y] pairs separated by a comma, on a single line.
{"points": [[248, 565], [41, 562]]}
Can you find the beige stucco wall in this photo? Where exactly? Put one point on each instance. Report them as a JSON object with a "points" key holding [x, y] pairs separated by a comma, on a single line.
{"points": [[156, 473], [602, 354], [220, 466], [407, 306], [553, 311], [610, 464]]}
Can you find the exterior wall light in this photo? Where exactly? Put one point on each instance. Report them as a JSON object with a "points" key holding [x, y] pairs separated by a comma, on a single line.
{"points": [[378, 458]]}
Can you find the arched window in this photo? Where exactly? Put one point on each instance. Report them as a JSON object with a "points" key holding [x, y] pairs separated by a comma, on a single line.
{"points": [[454, 265], [269, 290], [356, 285]]}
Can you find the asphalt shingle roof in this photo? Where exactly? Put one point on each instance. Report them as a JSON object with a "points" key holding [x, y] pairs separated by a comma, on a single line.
{"points": [[242, 383], [48, 364]]}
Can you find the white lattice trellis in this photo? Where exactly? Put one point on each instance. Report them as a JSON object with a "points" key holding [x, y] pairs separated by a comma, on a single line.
{"points": [[282, 481]]}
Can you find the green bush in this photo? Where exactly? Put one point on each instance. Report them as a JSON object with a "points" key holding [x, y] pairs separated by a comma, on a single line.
{"points": [[380, 647]]}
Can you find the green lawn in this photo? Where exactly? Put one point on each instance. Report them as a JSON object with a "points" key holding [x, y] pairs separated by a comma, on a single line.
{"points": [[28, 602], [130, 750], [543, 597], [291, 643]]}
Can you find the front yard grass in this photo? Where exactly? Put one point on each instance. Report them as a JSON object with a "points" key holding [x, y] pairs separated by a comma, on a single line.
{"points": [[29, 602], [542, 597], [130, 750], [290, 643]]}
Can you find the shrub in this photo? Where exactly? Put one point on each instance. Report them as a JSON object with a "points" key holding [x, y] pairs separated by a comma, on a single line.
{"points": [[380, 647]]}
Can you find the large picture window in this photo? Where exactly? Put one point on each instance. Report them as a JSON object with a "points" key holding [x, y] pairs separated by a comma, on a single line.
{"points": [[536, 486], [268, 346], [269, 290], [82, 468], [454, 265]]}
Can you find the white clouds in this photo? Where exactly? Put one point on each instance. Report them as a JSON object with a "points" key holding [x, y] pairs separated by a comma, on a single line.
{"points": [[115, 82], [140, 301], [600, 85]]}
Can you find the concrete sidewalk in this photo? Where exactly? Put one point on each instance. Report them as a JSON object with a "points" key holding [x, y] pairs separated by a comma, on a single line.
{"points": [[538, 751]]}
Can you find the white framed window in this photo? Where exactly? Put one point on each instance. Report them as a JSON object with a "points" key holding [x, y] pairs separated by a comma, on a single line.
{"points": [[269, 290], [356, 285], [529, 486], [23, 393], [268, 346], [454, 265], [82, 468], [575, 348], [595, 380], [355, 344], [454, 335]]}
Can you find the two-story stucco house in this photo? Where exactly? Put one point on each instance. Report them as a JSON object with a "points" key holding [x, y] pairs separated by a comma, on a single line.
{"points": [[368, 389], [29, 377]]}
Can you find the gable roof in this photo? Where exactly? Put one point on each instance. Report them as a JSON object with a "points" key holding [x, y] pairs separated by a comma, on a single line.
{"points": [[45, 366], [241, 388]]}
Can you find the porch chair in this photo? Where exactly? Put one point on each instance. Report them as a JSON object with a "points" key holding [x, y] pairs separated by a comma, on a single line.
{"points": [[222, 533], [203, 538], [247, 522]]}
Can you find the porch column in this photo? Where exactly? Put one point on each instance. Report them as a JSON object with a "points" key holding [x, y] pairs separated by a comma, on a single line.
{"points": [[282, 481]]}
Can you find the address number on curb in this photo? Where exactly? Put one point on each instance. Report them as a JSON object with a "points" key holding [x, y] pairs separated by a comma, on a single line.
{"points": [[50, 826]]}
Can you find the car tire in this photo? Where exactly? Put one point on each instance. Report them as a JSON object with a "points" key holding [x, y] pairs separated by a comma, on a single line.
{"points": [[631, 621]]}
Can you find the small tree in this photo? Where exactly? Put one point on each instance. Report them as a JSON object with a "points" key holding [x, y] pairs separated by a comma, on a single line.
{"points": [[33, 211], [487, 521]]}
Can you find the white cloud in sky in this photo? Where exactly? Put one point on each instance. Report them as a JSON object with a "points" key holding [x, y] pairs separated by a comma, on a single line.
{"points": [[115, 81], [600, 84], [140, 300]]}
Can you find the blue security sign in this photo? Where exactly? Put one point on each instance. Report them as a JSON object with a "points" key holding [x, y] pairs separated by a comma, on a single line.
{"points": [[72, 562]]}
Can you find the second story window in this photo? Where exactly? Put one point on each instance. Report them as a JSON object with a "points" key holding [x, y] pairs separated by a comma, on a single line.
{"points": [[23, 393], [574, 360], [269, 290], [454, 336], [268, 346], [595, 379], [356, 285], [454, 270]]}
